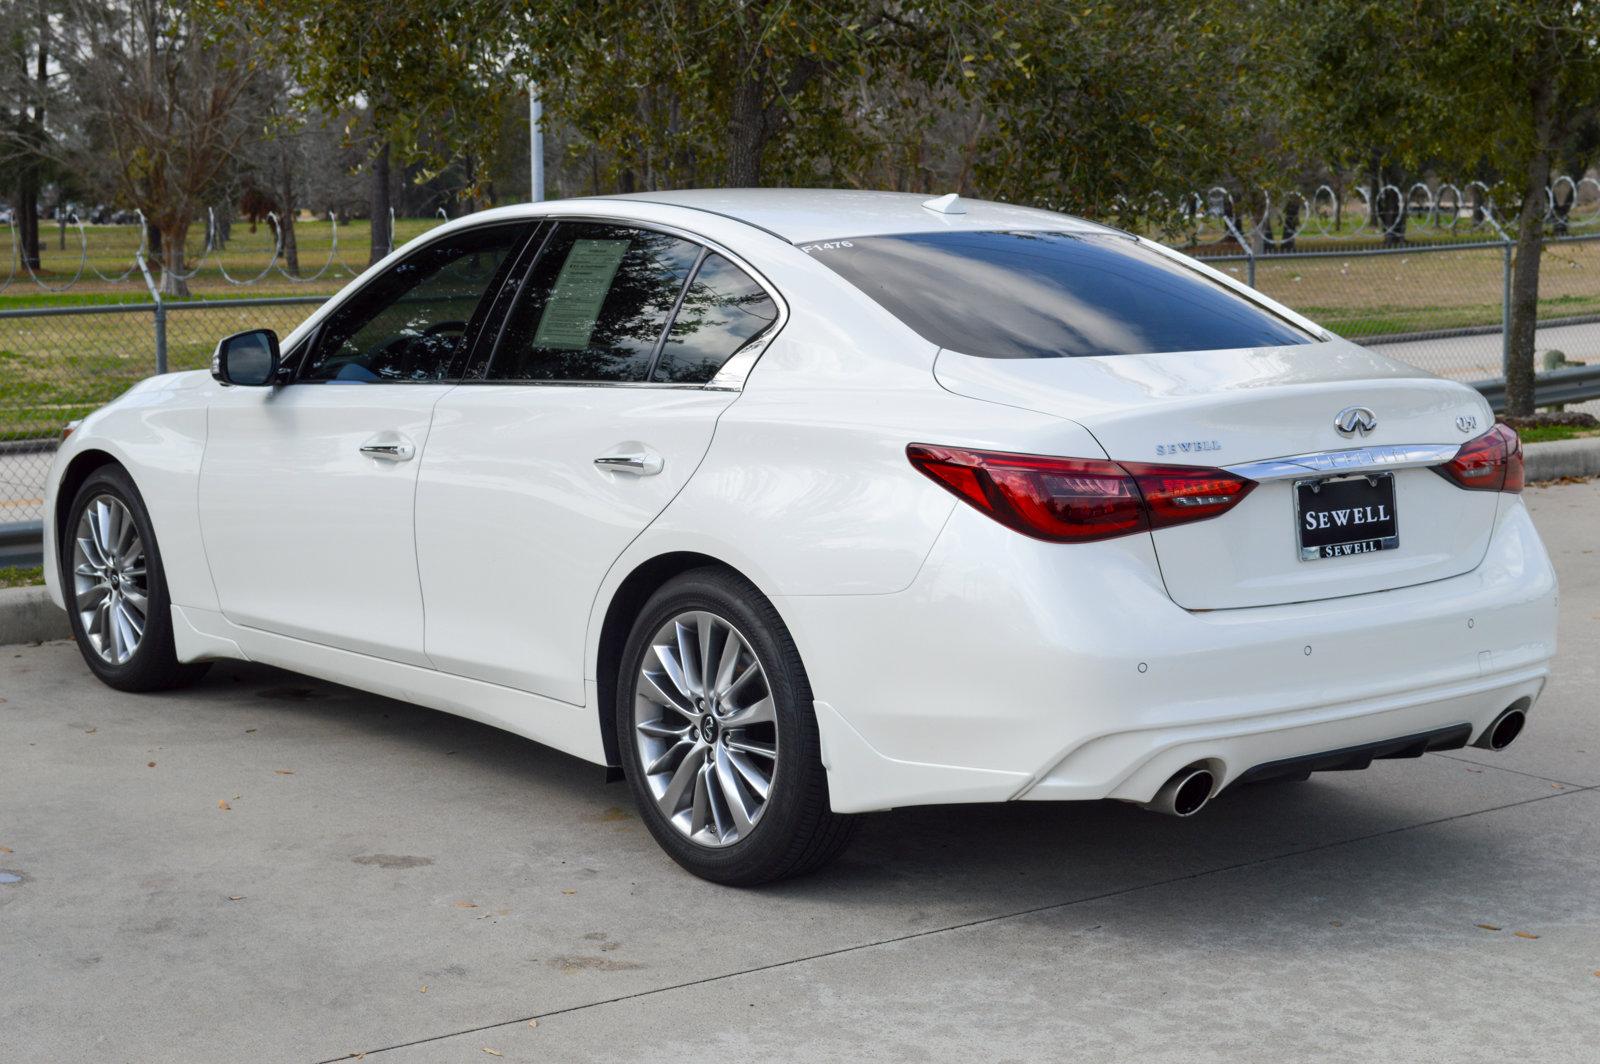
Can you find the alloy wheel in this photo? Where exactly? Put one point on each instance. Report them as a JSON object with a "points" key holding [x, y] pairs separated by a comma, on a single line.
{"points": [[110, 578], [706, 728]]}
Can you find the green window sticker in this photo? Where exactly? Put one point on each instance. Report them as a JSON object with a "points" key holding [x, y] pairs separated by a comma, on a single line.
{"points": [[580, 291]]}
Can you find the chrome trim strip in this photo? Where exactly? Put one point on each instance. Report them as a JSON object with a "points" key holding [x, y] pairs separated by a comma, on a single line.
{"points": [[1354, 460]]}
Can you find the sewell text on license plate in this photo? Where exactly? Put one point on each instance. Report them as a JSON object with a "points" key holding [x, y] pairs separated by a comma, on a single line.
{"points": [[1337, 517]]}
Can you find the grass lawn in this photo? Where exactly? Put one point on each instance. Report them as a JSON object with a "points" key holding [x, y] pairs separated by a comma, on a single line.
{"points": [[21, 576], [110, 276], [1549, 433], [59, 368]]}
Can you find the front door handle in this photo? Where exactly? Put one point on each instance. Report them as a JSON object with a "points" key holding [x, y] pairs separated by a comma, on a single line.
{"points": [[644, 464], [389, 449]]}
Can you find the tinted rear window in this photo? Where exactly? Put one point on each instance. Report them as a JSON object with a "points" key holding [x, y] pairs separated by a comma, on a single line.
{"points": [[1051, 295]]}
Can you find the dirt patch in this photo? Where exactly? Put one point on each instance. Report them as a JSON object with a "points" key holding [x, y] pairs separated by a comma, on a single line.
{"points": [[392, 860]]}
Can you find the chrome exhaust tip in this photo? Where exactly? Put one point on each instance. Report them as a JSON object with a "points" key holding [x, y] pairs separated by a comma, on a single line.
{"points": [[1503, 731], [1185, 794]]}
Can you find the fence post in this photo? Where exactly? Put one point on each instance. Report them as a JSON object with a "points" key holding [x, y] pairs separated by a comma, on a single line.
{"points": [[160, 316], [1249, 252], [1506, 244]]}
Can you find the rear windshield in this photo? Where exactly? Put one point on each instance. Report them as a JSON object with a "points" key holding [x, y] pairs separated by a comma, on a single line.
{"points": [[1051, 295]]}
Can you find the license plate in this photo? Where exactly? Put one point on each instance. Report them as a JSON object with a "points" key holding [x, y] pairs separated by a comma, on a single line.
{"points": [[1343, 516]]}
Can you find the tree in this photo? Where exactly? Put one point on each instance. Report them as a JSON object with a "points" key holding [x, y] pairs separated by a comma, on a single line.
{"points": [[1526, 74], [29, 148], [163, 82]]}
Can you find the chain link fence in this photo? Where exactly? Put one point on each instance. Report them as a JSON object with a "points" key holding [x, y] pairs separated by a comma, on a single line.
{"points": [[1437, 305], [58, 364]]}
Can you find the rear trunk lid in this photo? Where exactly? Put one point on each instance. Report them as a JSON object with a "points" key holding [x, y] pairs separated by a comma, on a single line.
{"points": [[1243, 410]]}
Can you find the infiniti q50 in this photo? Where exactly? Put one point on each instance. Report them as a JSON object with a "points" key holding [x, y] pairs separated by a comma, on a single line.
{"points": [[792, 505]]}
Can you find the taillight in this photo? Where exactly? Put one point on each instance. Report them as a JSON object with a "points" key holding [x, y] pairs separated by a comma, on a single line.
{"points": [[1491, 462], [1075, 500]]}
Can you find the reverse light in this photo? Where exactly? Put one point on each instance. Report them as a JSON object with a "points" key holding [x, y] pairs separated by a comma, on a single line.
{"points": [[1078, 500], [1491, 462]]}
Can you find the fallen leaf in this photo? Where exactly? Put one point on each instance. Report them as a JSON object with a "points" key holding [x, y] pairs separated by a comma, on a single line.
{"points": [[282, 772], [1489, 927], [466, 905], [247, 731], [1523, 934], [493, 1052], [151, 765], [1557, 786], [91, 731], [222, 804], [236, 897], [5, 849], [1335, 923], [569, 892], [535, 1023], [358, 1056], [424, 989]]}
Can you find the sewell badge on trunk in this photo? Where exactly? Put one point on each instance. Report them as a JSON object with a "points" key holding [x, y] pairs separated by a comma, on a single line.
{"points": [[1337, 517]]}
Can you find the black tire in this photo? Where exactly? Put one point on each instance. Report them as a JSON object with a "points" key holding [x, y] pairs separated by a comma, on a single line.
{"points": [[153, 665], [797, 832]]}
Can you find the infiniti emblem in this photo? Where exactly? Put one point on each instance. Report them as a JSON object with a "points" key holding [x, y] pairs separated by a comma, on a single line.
{"points": [[1355, 419]]}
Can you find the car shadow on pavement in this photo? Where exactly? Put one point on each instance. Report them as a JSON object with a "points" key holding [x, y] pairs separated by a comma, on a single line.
{"points": [[946, 863]]}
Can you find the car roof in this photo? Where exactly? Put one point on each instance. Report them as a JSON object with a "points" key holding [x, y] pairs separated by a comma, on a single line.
{"points": [[806, 215]]}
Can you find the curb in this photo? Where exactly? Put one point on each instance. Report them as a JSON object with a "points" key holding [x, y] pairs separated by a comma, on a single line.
{"points": [[28, 616], [1562, 458]]}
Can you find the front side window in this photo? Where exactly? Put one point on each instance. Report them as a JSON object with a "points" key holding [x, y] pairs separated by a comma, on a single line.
{"points": [[410, 322], [723, 310], [595, 305], [1051, 295]]}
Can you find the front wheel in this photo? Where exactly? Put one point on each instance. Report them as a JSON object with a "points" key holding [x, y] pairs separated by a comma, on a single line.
{"points": [[717, 735], [116, 589]]}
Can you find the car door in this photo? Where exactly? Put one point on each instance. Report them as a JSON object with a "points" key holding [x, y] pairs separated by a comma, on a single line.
{"points": [[307, 490], [595, 409]]}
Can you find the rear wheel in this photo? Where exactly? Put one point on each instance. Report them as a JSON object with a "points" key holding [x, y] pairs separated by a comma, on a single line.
{"points": [[717, 735], [116, 589]]}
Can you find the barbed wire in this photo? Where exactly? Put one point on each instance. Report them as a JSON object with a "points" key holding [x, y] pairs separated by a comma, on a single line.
{"points": [[1196, 219]]}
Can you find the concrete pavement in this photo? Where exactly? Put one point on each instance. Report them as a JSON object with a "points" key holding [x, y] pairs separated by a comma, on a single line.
{"points": [[269, 868]]}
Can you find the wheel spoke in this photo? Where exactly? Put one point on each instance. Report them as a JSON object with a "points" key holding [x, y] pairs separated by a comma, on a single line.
{"points": [[672, 666], [750, 746], [732, 795], [739, 681], [660, 729], [689, 661], [753, 777], [672, 798], [675, 753], [650, 689], [730, 659], [760, 712], [701, 815]]}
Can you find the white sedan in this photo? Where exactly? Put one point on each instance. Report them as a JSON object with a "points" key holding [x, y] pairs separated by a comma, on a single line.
{"points": [[790, 505]]}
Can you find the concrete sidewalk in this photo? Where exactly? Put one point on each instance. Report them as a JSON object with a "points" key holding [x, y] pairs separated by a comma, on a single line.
{"points": [[269, 868]]}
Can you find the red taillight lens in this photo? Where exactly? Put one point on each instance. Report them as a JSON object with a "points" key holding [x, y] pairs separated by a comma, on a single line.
{"points": [[1491, 462], [1075, 500]]}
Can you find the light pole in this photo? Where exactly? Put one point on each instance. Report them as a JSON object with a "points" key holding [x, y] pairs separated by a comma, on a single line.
{"points": [[536, 142]]}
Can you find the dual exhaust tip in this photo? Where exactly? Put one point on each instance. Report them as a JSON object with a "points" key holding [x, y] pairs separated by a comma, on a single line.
{"points": [[1187, 792], [1504, 729]]}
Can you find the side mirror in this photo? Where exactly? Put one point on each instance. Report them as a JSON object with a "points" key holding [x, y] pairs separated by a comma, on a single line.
{"points": [[247, 358]]}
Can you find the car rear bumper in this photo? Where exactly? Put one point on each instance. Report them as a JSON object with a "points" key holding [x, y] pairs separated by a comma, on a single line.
{"points": [[1014, 669]]}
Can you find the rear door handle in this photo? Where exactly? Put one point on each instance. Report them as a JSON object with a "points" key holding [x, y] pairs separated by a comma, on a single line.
{"points": [[389, 449], [644, 464]]}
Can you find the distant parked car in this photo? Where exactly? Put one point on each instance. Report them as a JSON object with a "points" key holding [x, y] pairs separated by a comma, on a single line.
{"points": [[791, 505]]}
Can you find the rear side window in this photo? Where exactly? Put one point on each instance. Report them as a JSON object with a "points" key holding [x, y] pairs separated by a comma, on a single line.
{"points": [[723, 310], [1051, 295], [595, 305]]}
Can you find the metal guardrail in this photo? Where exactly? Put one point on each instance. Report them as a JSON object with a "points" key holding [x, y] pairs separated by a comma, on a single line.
{"points": [[22, 544], [1558, 387]]}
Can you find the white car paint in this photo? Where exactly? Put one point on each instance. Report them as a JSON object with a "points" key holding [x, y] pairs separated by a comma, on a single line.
{"points": [[951, 658]]}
